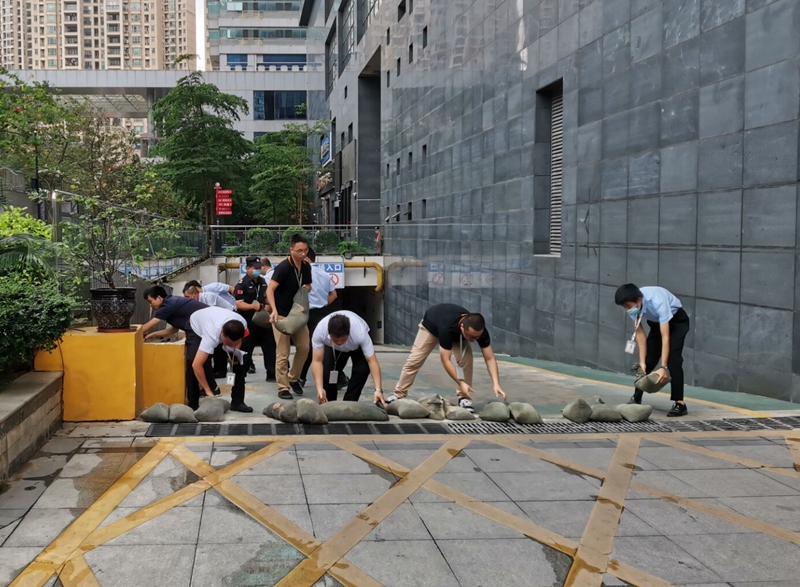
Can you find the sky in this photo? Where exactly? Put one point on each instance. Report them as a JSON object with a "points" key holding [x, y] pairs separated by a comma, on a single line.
{"points": [[200, 11]]}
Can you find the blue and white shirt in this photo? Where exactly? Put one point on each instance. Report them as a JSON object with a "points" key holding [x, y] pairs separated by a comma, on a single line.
{"points": [[223, 290], [321, 286], [659, 305]]}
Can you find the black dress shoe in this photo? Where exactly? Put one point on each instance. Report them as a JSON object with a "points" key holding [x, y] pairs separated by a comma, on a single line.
{"points": [[635, 400], [677, 410], [217, 391], [252, 369], [241, 408], [271, 377], [296, 387], [285, 394], [302, 383], [343, 381]]}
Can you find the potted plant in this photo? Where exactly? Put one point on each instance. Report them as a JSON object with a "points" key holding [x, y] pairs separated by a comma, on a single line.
{"points": [[101, 239]]}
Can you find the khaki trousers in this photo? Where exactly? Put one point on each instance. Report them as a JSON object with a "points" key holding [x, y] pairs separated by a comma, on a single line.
{"points": [[423, 346], [283, 344]]}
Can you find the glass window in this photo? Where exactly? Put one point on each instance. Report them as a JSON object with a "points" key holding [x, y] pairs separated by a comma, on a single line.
{"points": [[52, 63], [347, 33], [52, 18], [331, 62], [136, 51], [237, 60], [280, 60], [113, 61], [52, 30], [137, 63], [52, 52], [136, 40], [51, 8]]}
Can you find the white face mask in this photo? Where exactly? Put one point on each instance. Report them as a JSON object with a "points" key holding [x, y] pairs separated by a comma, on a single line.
{"points": [[634, 312]]}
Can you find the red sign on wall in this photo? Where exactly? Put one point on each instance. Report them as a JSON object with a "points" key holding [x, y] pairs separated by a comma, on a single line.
{"points": [[224, 202]]}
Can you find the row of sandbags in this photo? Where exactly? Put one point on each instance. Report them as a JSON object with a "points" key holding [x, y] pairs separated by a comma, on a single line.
{"points": [[596, 410], [212, 409]]}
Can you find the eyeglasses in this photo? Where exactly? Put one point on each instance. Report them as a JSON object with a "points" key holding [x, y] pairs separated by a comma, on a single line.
{"points": [[300, 251]]}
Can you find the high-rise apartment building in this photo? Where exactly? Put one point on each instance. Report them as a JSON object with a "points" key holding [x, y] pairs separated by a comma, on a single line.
{"points": [[96, 34]]}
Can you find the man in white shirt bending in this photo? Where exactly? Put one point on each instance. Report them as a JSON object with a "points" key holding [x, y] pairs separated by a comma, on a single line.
{"points": [[340, 337], [208, 298], [223, 290]]}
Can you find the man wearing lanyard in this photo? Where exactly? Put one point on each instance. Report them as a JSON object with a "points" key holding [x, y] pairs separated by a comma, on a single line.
{"points": [[323, 294], [290, 275], [177, 312], [250, 295], [216, 326], [340, 337], [660, 351], [453, 328]]}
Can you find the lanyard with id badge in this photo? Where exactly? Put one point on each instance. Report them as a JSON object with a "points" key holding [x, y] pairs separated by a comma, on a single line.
{"points": [[459, 369], [630, 346], [230, 377]]}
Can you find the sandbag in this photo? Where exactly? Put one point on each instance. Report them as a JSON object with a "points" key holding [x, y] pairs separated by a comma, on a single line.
{"points": [[309, 412], [181, 414], [524, 413], [298, 315], [436, 406], [261, 319], [596, 400], [648, 383], [578, 411], [271, 411], [602, 413], [287, 413], [456, 413], [356, 411], [210, 410], [635, 412], [158, 413], [408, 409], [496, 412], [225, 403]]}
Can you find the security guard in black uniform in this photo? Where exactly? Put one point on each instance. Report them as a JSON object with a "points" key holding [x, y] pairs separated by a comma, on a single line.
{"points": [[250, 294]]}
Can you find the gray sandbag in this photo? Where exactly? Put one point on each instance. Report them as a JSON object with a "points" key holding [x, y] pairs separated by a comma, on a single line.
{"points": [[181, 414], [309, 412], [596, 400], [456, 413], [287, 413], [297, 319], [210, 410], [496, 412], [635, 412], [271, 411], [578, 411], [602, 413], [355, 411], [225, 403], [158, 413], [648, 383], [436, 406], [524, 413], [409, 409]]}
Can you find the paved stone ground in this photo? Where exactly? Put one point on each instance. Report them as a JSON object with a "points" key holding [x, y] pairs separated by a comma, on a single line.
{"points": [[101, 505], [531, 381]]}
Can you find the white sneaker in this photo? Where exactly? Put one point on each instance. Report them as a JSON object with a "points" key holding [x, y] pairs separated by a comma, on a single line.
{"points": [[466, 404], [391, 398]]}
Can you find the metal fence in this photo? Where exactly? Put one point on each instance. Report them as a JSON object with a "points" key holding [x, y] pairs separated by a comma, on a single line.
{"points": [[326, 239]]}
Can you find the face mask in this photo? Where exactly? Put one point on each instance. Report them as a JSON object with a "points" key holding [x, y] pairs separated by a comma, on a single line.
{"points": [[256, 272], [634, 312]]}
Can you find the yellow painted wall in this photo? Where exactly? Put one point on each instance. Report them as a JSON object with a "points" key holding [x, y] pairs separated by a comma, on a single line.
{"points": [[164, 376]]}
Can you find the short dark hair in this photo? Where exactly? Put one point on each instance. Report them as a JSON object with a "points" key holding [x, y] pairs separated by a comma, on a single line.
{"points": [[265, 262], [339, 325], [627, 293], [192, 283], [191, 290], [155, 291], [312, 254], [233, 329], [297, 238], [474, 321]]}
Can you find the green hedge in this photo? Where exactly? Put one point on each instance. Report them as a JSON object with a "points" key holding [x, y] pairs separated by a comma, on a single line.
{"points": [[33, 317]]}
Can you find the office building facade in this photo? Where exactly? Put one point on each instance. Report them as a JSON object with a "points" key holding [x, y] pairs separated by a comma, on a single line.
{"points": [[529, 157]]}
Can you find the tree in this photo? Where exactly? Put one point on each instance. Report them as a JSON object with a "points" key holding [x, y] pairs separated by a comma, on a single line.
{"points": [[282, 167], [198, 141]]}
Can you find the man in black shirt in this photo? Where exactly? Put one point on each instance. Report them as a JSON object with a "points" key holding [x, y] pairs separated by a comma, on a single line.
{"points": [[453, 328], [177, 311], [290, 275], [250, 294]]}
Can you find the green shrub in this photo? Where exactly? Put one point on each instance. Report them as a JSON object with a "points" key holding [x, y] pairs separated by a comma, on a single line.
{"points": [[235, 250], [33, 317], [18, 221], [260, 240], [326, 241], [351, 247]]}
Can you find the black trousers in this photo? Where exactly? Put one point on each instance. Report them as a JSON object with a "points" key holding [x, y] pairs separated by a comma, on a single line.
{"points": [[315, 316], [264, 338], [678, 329], [193, 390], [220, 361], [336, 362]]}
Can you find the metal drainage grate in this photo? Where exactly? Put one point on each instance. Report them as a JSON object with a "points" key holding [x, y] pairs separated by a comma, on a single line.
{"points": [[406, 428]]}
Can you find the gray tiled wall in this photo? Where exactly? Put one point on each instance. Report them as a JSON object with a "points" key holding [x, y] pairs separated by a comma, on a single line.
{"points": [[680, 170]]}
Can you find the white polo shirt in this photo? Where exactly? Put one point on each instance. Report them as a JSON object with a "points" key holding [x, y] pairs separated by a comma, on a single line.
{"points": [[359, 335], [207, 324], [222, 290], [321, 287], [215, 301]]}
